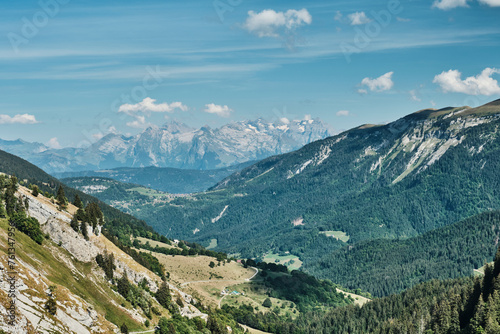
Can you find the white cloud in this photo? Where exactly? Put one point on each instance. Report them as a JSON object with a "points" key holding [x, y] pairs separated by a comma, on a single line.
{"points": [[343, 113], [307, 117], [338, 16], [97, 136], [149, 105], [481, 84], [358, 18], [450, 4], [145, 107], [491, 3], [139, 122], [362, 91], [380, 84], [269, 23], [402, 19], [284, 120], [53, 143], [18, 119], [413, 95], [222, 111]]}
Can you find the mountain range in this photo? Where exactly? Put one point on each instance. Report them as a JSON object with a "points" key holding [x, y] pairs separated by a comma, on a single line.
{"points": [[177, 145]]}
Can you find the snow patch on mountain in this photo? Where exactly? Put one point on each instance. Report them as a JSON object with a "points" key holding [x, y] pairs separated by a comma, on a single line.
{"points": [[178, 146]]}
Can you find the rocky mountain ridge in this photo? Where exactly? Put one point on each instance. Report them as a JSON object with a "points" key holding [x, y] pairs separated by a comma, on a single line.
{"points": [[177, 145]]}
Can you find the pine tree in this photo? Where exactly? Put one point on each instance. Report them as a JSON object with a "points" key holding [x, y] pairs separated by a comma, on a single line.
{"points": [[10, 196], [124, 329], [75, 225], [35, 191], [51, 304], [123, 285], [107, 263], [470, 306], [487, 282], [78, 202], [163, 295], [94, 215], [61, 199], [496, 267], [85, 230], [2, 209], [20, 207]]}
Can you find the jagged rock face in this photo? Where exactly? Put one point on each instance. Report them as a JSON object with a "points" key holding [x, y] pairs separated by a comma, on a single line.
{"points": [[42, 211], [179, 146], [70, 240], [133, 275], [55, 223], [73, 315]]}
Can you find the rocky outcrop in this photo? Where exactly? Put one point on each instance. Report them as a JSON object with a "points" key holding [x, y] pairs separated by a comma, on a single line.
{"points": [[62, 234], [42, 211], [73, 315]]}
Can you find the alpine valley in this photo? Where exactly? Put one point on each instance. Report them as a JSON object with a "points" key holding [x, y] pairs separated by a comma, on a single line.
{"points": [[333, 205], [250, 167], [379, 229]]}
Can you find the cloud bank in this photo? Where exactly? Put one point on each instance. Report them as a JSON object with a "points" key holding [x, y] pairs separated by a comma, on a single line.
{"points": [[481, 84], [149, 105], [143, 109], [18, 119]]}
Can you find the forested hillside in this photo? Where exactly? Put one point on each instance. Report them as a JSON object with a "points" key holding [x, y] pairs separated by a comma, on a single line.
{"points": [[461, 306], [383, 267]]}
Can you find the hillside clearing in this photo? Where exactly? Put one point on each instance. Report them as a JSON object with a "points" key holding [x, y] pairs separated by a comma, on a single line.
{"points": [[358, 300], [291, 261], [339, 235]]}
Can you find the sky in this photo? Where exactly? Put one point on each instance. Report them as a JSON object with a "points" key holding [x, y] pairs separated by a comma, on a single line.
{"points": [[73, 71]]}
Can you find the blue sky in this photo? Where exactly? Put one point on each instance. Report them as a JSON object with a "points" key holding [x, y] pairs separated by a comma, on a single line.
{"points": [[72, 71]]}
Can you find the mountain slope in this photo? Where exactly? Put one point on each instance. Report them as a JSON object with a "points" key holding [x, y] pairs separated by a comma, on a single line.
{"points": [[460, 306], [71, 281], [178, 146], [63, 268], [426, 170], [119, 223], [383, 267]]}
